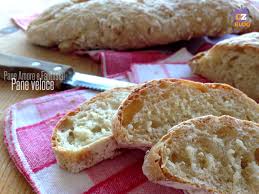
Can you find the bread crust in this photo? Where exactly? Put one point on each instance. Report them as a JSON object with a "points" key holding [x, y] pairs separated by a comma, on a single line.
{"points": [[118, 24], [203, 63], [121, 133], [152, 163], [91, 154]]}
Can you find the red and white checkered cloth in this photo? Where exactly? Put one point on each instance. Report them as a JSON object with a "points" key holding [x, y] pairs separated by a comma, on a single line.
{"points": [[28, 128]]}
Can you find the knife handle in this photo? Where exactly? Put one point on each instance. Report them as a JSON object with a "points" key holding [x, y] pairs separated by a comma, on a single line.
{"points": [[11, 64]]}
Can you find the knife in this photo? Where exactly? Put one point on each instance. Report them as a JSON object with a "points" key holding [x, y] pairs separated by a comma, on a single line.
{"points": [[63, 76]]}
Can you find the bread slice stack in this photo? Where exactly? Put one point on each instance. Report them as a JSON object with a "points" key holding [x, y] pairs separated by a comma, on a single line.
{"points": [[83, 137], [210, 154], [153, 108], [203, 137]]}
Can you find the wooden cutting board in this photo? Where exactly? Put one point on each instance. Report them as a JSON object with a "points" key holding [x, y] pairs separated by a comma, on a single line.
{"points": [[13, 41]]}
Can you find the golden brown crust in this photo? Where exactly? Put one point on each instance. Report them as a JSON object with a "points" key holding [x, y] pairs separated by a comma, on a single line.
{"points": [[84, 157], [121, 120], [134, 24]]}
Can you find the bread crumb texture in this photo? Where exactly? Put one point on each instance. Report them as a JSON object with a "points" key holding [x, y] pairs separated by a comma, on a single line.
{"points": [[91, 122], [219, 154], [149, 112]]}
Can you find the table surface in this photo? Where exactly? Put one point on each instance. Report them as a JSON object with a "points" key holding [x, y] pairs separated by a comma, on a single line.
{"points": [[11, 181]]}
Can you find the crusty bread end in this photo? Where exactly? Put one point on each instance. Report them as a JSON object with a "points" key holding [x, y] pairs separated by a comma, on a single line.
{"points": [[234, 61]]}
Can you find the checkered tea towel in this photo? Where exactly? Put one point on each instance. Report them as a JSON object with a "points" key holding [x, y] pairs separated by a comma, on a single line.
{"points": [[28, 129]]}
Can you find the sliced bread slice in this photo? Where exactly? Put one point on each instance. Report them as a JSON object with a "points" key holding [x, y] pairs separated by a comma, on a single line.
{"points": [[213, 154], [234, 61], [148, 112], [83, 137]]}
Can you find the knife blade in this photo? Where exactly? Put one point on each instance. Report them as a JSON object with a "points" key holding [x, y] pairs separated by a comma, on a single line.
{"points": [[63, 76]]}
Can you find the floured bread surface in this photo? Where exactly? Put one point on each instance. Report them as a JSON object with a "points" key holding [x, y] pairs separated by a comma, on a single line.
{"points": [[213, 154], [148, 112], [131, 24], [83, 137], [234, 61]]}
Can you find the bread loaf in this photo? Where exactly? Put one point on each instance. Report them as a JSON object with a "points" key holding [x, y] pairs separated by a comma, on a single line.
{"points": [[211, 154], [234, 61], [83, 137], [148, 112], [131, 24]]}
